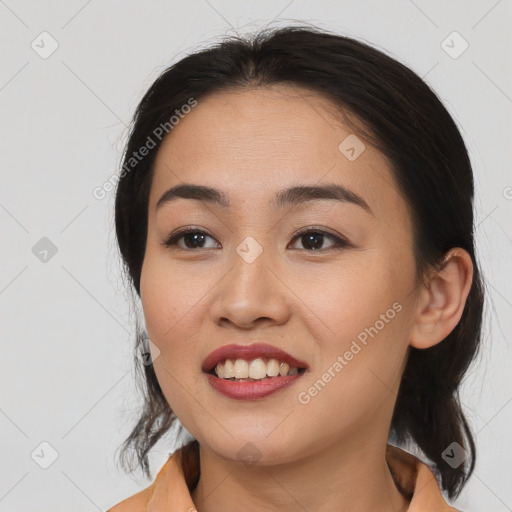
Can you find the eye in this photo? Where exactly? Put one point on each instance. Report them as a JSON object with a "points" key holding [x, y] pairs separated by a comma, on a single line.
{"points": [[312, 238], [193, 238]]}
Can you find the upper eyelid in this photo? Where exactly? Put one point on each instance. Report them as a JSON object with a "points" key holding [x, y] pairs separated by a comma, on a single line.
{"points": [[314, 229]]}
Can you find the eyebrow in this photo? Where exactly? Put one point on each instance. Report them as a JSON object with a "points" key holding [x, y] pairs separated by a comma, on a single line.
{"points": [[290, 196]]}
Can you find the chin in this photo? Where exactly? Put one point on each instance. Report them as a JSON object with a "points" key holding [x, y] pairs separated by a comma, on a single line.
{"points": [[256, 447]]}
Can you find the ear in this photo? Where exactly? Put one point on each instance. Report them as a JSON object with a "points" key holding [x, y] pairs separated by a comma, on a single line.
{"points": [[442, 300]]}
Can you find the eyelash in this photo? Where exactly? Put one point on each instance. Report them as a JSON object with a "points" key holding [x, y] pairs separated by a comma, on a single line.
{"points": [[340, 243]]}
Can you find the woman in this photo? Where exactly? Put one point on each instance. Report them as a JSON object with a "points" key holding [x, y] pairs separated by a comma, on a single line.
{"points": [[295, 213]]}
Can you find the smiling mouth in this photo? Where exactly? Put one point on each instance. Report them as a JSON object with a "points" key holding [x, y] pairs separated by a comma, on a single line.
{"points": [[252, 365], [255, 379]]}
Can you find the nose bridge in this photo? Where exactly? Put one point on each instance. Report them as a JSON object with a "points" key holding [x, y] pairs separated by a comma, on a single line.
{"points": [[250, 261], [250, 250], [251, 289]]}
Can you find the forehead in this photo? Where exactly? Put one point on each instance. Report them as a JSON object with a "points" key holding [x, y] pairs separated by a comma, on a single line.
{"points": [[252, 142]]}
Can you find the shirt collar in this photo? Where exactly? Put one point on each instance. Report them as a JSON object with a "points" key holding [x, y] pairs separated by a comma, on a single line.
{"points": [[170, 491]]}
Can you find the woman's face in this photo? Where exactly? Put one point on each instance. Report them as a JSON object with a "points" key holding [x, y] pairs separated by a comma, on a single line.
{"points": [[344, 309]]}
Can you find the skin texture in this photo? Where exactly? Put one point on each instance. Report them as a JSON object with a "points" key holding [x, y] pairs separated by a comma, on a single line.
{"points": [[327, 454]]}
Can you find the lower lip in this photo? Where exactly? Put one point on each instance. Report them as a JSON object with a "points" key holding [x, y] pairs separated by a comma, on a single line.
{"points": [[251, 390]]}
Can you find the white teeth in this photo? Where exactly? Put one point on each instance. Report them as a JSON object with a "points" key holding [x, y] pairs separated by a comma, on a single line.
{"points": [[241, 369], [256, 369], [229, 369], [283, 369], [273, 368]]}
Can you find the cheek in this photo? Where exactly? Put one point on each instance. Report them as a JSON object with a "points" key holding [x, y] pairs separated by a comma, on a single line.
{"points": [[352, 298], [175, 306], [168, 300], [362, 338], [169, 297]]}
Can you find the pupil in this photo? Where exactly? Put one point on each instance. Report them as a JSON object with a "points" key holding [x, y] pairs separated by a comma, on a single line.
{"points": [[195, 237], [310, 237]]}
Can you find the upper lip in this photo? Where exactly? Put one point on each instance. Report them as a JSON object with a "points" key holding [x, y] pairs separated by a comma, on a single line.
{"points": [[249, 352]]}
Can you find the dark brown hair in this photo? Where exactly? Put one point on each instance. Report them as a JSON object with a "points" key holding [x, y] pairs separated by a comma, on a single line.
{"points": [[407, 122]]}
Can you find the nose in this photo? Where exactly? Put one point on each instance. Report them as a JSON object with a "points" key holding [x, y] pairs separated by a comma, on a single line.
{"points": [[252, 292]]}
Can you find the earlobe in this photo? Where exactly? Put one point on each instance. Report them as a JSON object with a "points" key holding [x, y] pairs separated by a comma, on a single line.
{"points": [[442, 301]]}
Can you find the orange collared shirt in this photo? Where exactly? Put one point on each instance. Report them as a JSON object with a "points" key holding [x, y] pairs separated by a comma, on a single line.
{"points": [[170, 491]]}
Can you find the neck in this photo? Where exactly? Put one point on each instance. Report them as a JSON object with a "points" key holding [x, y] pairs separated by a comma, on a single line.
{"points": [[348, 476]]}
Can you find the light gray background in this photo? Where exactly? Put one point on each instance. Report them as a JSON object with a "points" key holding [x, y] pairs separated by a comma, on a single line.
{"points": [[67, 331]]}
